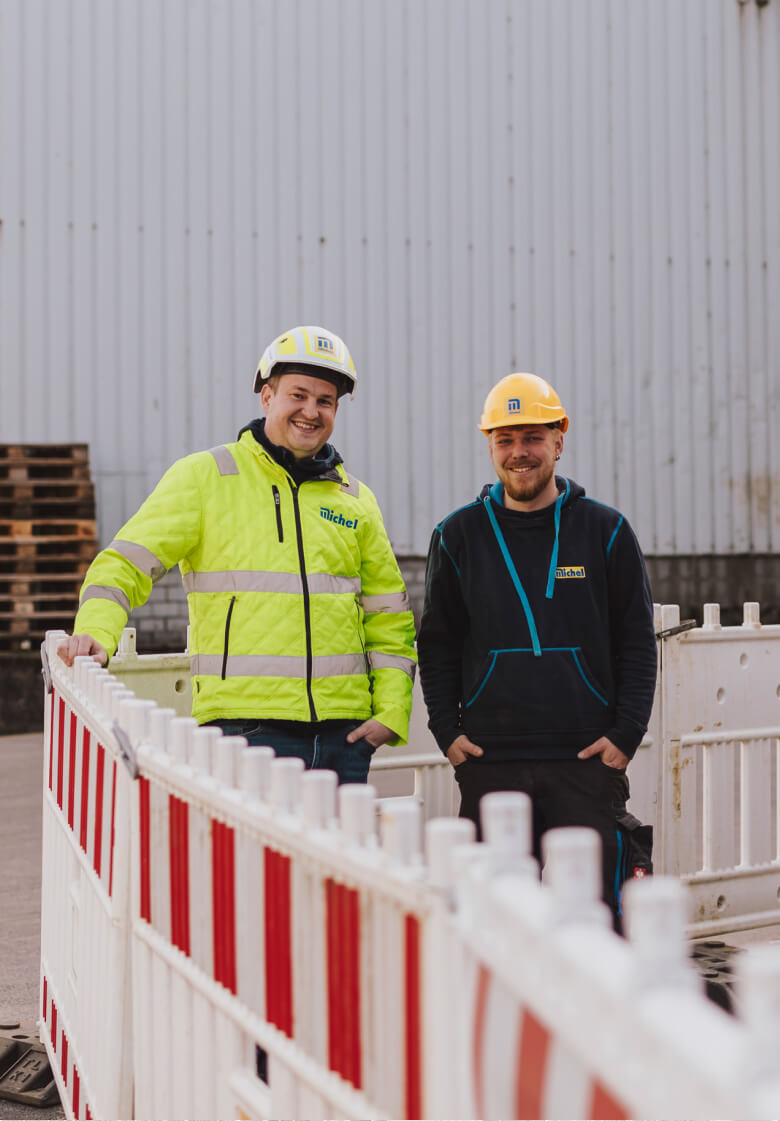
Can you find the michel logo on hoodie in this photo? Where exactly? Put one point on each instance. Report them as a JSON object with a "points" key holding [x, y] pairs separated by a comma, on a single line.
{"points": [[570, 572]]}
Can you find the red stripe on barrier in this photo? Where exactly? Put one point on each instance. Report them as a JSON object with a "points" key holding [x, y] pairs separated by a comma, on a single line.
{"points": [[480, 1013], [278, 951], [179, 859], [173, 856], [353, 927], [331, 924], [64, 1061], [76, 1092], [216, 896], [61, 752], [53, 1032], [52, 724], [343, 958], [85, 742], [111, 831], [605, 1107], [229, 902], [72, 767], [98, 852], [144, 841], [223, 908], [412, 1018], [269, 918], [88, 1114], [531, 1067], [45, 1002]]}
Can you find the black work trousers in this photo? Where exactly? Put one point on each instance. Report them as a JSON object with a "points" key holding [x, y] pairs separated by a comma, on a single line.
{"points": [[568, 792]]}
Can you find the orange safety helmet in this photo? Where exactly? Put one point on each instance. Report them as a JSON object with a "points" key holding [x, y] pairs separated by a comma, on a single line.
{"points": [[522, 399]]}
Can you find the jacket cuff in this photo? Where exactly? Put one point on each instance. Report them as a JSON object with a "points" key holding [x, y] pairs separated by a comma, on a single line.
{"points": [[445, 736], [397, 720], [626, 739]]}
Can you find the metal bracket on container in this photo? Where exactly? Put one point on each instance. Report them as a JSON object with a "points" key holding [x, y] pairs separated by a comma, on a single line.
{"points": [[126, 750], [685, 625], [45, 669]]}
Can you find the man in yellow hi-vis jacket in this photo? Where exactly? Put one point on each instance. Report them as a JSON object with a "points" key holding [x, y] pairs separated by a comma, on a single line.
{"points": [[301, 634]]}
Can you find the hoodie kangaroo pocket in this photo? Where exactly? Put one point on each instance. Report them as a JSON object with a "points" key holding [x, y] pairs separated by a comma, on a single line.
{"points": [[520, 692]]}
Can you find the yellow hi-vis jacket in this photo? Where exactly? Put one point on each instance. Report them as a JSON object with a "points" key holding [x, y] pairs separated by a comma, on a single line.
{"points": [[298, 610]]}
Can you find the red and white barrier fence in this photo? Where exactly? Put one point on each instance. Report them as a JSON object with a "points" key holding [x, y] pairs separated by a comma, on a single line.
{"points": [[718, 768], [85, 930], [286, 961]]}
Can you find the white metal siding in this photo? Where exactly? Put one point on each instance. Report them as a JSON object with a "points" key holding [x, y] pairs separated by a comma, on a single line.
{"points": [[584, 188]]}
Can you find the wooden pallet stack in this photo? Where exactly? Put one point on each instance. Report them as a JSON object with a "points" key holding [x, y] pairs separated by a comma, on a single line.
{"points": [[47, 538]]}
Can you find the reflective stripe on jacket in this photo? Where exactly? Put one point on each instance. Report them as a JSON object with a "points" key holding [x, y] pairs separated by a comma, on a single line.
{"points": [[297, 607]]}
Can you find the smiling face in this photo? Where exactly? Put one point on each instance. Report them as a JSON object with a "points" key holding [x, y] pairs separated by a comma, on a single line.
{"points": [[300, 412], [523, 457]]}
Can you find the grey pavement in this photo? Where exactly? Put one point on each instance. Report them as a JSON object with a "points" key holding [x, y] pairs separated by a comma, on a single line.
{"points": [[21, 777]]}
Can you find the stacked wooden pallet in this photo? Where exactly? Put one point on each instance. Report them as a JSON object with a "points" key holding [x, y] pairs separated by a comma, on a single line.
{"points": [[47, 538]]}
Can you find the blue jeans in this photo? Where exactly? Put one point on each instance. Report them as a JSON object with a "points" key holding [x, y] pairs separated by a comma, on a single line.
{"points": [[322, 745]]}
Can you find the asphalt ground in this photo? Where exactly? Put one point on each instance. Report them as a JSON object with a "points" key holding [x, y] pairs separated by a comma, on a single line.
{"points": [[21, 778]]}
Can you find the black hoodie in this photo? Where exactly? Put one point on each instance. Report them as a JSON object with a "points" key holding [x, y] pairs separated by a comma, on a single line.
{"points": [[537, 632]]}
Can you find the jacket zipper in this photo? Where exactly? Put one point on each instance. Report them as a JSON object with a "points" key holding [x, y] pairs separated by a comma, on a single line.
{"points": [[306, 600], [227, 636], [278, 505], [363, 647]]}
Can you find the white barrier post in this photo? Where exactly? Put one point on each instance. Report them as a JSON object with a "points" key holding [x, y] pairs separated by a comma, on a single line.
{"points": [[758, 999], [506, 826], [318, 798], [572, 860], [656, 915], [401, 831], [357, 810]]}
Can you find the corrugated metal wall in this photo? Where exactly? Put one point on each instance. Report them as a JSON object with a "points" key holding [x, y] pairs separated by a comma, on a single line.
{"points": [[584, 188]]}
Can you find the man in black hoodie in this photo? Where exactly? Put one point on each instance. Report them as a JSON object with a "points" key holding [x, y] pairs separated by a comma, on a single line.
{"points": [[537, 648]]}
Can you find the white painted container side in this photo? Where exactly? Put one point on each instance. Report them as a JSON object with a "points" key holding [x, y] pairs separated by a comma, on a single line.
{"points": [[586, 189]]}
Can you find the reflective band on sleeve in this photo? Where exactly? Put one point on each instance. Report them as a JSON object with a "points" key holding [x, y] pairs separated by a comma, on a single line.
{"points": [[276, 665], [351, 485], [101, 591], [225, 461], [143, 559], [391, 604], [392, 661], [319, 583]]}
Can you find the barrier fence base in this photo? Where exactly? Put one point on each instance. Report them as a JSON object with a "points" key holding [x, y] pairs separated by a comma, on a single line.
{"points": [[25, 1074]]}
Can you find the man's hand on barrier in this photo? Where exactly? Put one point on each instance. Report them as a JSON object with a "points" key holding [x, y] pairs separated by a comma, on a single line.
{"points": [[79, 645], [611, 756], [460, 749], [373, 731]]}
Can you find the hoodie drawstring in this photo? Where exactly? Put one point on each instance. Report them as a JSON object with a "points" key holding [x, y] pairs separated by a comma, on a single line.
{"points": [[495, 495], [554, 558], [515, 578]]}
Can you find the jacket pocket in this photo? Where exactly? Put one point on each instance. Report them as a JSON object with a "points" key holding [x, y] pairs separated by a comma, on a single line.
{"points": [[519, 692], [278, 508]]}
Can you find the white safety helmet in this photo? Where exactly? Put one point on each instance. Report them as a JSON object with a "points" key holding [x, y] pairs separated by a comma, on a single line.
{"points": [[309, 346]]}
